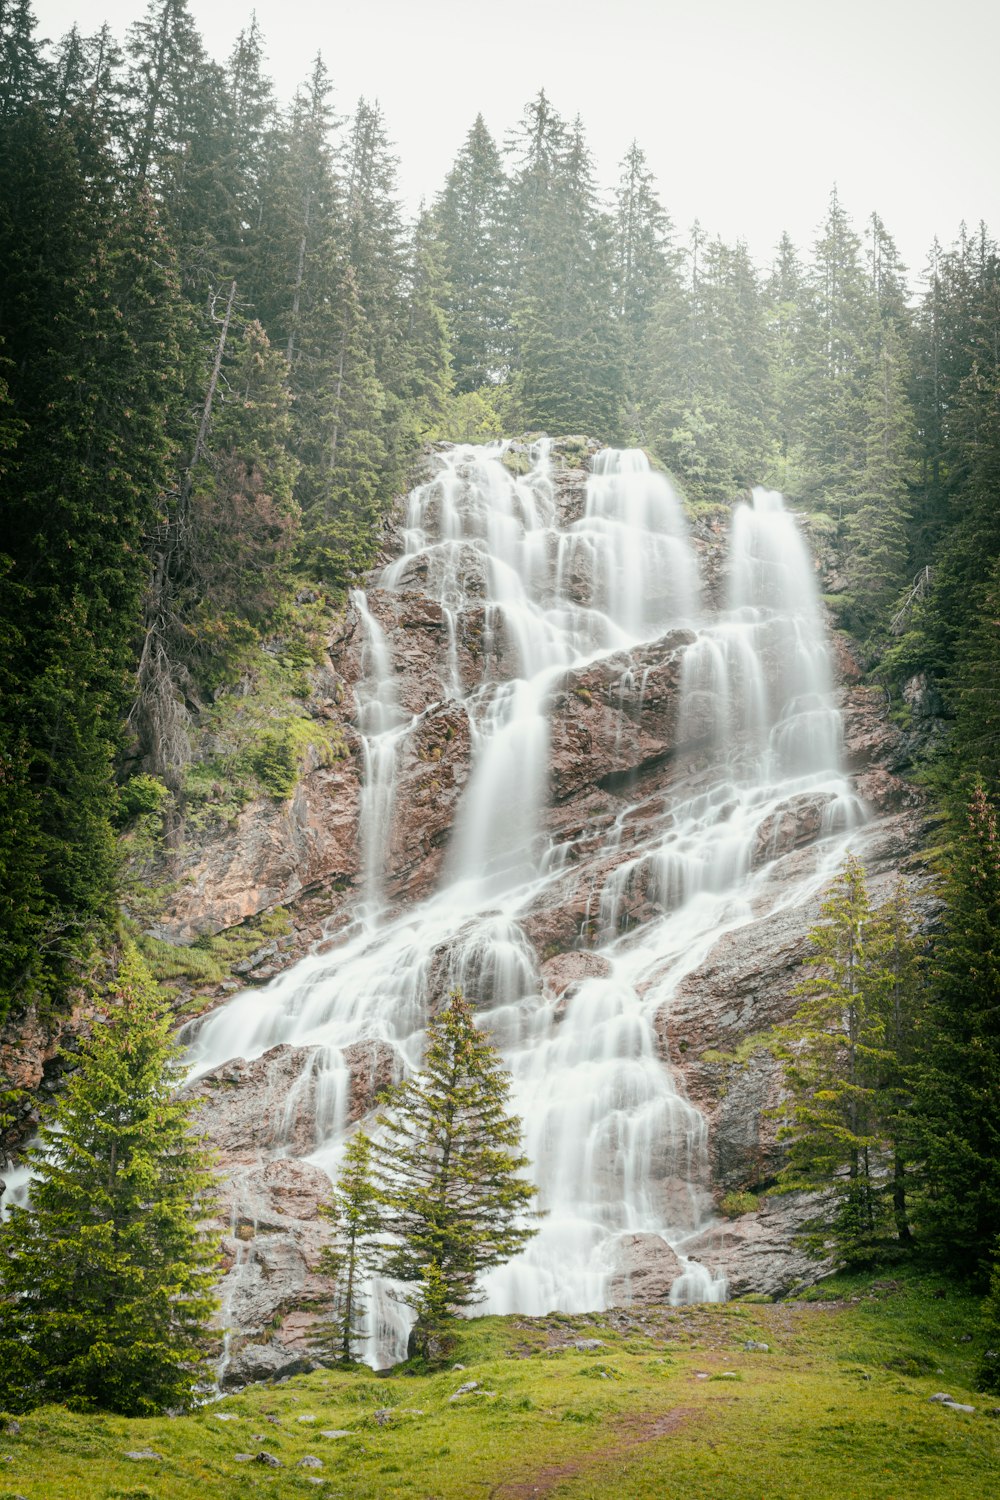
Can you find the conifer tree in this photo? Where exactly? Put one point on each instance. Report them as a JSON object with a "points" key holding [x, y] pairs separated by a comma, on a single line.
{"points": [[354, 1211], [106, 1274], [957, 1092], [644, 261], [876, 532], [449, 1169], [568, 359], [845, 1056], [832, 361], [91, 320], [470, 216], [24, 73]]}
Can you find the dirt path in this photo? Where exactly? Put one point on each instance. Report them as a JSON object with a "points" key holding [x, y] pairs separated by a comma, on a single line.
{"points": [[629, 1434]]}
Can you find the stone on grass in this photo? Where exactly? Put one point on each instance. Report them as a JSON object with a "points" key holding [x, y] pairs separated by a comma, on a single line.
{"points": [[242, 1458], [139, 1453], [585, 1344], [465, 1390], [940, 1396], [335, 1432], [756, 1348], [310, 1462], [268, 1460]]}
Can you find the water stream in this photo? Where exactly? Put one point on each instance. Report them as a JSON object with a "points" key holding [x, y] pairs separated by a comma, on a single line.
{"points": [[618, 1151]]}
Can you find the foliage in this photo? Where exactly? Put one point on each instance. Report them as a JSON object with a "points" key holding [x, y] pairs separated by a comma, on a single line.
{"points": [[957, 1117], [844, 1055], [354, 1210], [106, 1275], [449, 1170]]}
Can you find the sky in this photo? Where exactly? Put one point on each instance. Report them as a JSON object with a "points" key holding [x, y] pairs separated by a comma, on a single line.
{"points": [[748, 110]]}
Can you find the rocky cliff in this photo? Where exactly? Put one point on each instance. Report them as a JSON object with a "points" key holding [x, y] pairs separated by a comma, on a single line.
{"points": [[619, 750]]}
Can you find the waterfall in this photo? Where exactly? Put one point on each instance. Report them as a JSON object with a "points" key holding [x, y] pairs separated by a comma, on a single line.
{"points": [[620, 1154]]}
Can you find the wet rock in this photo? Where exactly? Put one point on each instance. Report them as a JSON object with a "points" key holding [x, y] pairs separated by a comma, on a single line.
{"points": [[272, 852], [646, 1268], [563, 973], [374, 1067], [434, 761], [922, 697], [248, 1107], [757, 1252]]}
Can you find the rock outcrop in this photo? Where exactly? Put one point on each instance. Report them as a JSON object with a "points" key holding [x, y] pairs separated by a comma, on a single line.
{"points": [[619, 752]]}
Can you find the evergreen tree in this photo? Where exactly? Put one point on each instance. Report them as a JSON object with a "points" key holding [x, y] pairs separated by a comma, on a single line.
{"points": [[876, 532], [988, 1369], [568, 362], [957, 1092], [24, 74], [708, 410], [449, 1165], [644, 261], [90, 317], [106, 1275], [470, 217], [844, 1066], [354, 1211], [832, 362]]}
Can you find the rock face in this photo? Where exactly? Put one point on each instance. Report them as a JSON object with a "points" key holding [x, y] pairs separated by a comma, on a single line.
{"points": [[620, 753]]}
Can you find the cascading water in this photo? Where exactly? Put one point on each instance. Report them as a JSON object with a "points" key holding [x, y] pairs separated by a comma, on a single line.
{"points": [[617, 1149]]}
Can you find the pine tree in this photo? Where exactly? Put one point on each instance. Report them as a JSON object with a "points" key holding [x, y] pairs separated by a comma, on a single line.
{"points": [[844, 1051], [449, 1165], [832, 363], [354, 1210], [988, 1369], [24, 73], [644, 262], [957, 1093], [470, 217], [90, 317], [106, 1275], [568, 375], [876, 532]]}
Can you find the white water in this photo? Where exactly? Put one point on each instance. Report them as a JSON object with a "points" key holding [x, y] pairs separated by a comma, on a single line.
{"points": [[617, 1149]]}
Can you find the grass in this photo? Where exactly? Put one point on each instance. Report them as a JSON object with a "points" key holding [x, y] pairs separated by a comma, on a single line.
{"points": [[670, 1402]]}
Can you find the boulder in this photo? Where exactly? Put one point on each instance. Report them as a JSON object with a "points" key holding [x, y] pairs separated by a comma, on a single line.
{"points": [[646, 1268]]}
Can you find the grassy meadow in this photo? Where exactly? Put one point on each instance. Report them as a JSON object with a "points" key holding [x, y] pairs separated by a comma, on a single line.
{"points": [[644, 1403]]}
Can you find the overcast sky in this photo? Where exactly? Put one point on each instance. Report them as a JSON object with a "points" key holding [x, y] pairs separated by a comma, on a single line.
{"points": [[748, 110]]}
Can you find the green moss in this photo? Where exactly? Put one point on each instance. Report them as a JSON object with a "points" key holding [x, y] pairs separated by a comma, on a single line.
{"points": [[735, 1204], [210, 958]]}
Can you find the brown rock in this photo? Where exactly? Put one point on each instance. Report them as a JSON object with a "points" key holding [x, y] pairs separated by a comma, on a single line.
{"points": [[646, 1269]]}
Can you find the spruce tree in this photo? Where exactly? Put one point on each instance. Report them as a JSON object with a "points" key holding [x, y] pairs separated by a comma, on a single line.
{"points": [[106, 1275], [354, 1211], [845, 1054], [957, 1093], [470, 216], [449, 1167]]}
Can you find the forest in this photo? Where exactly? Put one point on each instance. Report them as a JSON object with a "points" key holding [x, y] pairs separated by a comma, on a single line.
{"points": [[225, 350]]}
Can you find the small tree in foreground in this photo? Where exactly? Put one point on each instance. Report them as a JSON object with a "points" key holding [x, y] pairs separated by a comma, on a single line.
{"points": [[450, 1165], [106, 1276], [354, 1210], [846, 1052]]}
